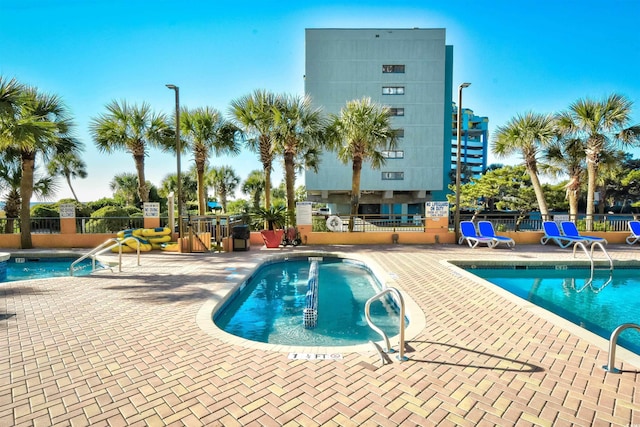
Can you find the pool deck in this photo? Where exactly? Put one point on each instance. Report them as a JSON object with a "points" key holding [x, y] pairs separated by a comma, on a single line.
{"points": [[127, 348]]}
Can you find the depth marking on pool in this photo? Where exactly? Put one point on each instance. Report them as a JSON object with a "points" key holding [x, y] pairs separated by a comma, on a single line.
{"points": [[314, 356]]}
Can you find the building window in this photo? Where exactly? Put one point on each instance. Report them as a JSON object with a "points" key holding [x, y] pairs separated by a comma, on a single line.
{"points": [[396, 111], [386, 176], [393, 68], [393, 154], [399, 133], [393, 90]]}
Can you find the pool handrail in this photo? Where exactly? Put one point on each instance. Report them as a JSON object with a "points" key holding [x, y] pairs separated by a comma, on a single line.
{"points": [[105, 246], [613, 342], [400, 302], [590, 255]]}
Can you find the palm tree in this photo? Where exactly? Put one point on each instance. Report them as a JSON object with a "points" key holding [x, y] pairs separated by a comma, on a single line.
{"points": [[189, 186], [359, 134], [125, 188], [225, 181], [297, 136], [600, 124], [11, 93], [566, 156], [611, 171], [10, 179], [254, 186], [68, 165], [133, 129], [205, 130], [33, 125], [527, 135], [254, 114]]}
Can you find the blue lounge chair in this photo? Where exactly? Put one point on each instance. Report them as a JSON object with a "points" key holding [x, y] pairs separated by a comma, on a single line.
{"points": [[570, 230], [634, 227], [469, 234], [552, 234], [485, 229]]}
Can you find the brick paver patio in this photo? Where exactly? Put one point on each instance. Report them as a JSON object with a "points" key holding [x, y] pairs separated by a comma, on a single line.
{"points": [[117, 349]]}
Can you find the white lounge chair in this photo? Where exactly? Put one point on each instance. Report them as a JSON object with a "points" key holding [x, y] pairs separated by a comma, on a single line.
{"points": [[485, 229], [634, 227], [469, 234]]}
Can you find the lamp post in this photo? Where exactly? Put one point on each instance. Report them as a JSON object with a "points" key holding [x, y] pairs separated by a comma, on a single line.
{"points": [[178, 150], [456, 220]]}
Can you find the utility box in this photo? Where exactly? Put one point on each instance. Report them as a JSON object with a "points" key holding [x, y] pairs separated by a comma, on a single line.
{"points": [[241, 238]]}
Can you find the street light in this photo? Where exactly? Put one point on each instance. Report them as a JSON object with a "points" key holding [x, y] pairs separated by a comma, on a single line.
{"points": [[178, 149], [456, 220]]}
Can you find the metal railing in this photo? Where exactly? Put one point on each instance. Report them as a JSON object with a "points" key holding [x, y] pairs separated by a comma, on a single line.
{"points": [[370, 222], [362, 222]]}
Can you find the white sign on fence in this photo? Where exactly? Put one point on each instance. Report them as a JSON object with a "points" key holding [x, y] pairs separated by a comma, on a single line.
{"points": [[152, 210], [436, 209], [303, 213], [67, 210]]}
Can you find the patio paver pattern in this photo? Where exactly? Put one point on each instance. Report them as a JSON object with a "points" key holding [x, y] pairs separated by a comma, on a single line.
{"points": [[120, 349]]}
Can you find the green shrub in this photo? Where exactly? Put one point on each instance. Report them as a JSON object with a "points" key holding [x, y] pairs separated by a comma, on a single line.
{"points": [[45, 211], [319, 224], [101, 222]]}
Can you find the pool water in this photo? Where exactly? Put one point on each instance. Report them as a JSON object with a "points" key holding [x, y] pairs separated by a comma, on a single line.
{"points": [[44, 267], [600, 306], [270, 307]]}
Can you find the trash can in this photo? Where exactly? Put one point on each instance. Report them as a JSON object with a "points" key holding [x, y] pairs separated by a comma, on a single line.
{"points": [[241, 237]]}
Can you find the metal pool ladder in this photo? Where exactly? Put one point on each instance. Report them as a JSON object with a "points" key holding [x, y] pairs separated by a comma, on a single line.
{"points": [[590, 255], [367, 314]]}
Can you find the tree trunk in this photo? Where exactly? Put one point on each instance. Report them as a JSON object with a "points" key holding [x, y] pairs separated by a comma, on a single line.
{"points": [[267, 186], [223, 200], [143, 191], [591, 186], [71, 188], [537, 188], [256, 199], [202, 210], [355, 190], [290, 179], [26, 190], [573, 205], [573, 188]]}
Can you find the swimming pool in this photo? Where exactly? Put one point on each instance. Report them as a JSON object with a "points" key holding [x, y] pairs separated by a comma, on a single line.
{"points": [[599, 305], [269, 307], [40, 267]]}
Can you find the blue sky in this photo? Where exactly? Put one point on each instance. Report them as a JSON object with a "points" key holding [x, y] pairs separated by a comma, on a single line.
{"points": [[519, 56]]}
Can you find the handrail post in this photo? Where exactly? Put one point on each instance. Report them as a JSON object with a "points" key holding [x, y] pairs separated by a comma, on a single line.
{"points": [[613, 341]]}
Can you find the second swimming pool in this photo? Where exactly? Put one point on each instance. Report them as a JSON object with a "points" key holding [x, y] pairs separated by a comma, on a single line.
{"points": [[270, 306], [599, 305]]}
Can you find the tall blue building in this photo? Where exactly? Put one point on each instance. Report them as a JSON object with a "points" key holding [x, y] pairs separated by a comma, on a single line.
{"points": [[408, 70], [474, 141]]}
